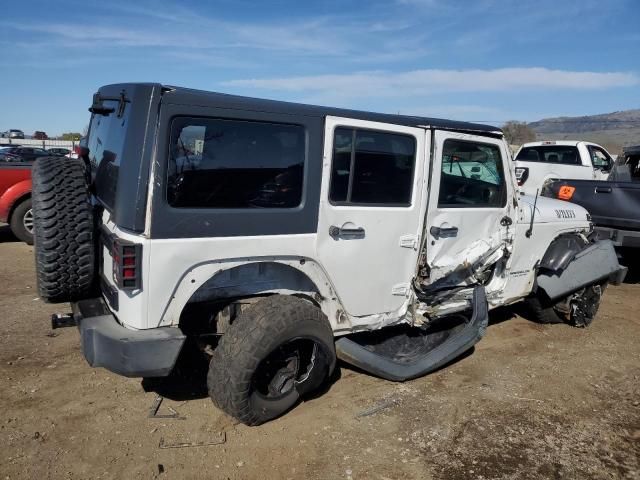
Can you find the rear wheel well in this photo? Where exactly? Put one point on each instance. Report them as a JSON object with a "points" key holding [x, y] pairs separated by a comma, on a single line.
{"points": [[212, 317], [217, 302]]}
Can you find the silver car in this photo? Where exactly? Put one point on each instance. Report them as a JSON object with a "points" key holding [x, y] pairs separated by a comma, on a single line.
{"points": [[16, 134]]}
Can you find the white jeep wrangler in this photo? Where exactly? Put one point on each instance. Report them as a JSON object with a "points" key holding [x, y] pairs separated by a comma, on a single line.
{"points": [[284, 236]]}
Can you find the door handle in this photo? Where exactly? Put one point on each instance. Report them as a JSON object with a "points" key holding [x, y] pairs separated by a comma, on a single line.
{"points": [[443, 232], [341, 232], [603, 189]]}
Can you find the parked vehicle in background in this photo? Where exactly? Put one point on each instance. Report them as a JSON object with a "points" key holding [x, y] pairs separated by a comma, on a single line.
{"points": [[25, 154], [39, 135], [537, 163], [614, 204], [7, 155], [75, 153], [16, 134], [58, 151], [280, 236], [15, 198]]}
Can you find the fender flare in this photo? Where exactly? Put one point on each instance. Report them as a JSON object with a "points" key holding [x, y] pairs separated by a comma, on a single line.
{"points": [[561, 251], [254, 277], [571, 264], [12, 197]]}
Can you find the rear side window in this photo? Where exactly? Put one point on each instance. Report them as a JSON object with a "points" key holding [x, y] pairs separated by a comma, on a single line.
{"points": [[472, 175], [105, 143], [565, 154], [372, 168], [219, 163]]}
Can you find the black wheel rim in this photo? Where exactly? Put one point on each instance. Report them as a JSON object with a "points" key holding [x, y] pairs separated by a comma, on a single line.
{"points": [[288, 365]]}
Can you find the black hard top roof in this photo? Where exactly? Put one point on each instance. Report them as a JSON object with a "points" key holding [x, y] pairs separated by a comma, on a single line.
{"points": [[181, 95]]}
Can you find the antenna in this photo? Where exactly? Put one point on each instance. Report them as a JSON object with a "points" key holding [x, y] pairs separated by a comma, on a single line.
{"points": [[533, 215]]}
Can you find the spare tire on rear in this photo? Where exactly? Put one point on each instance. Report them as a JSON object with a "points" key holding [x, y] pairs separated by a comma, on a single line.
{"points": [[64, 230]]}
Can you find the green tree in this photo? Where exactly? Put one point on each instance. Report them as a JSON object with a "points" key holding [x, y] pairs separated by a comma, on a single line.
{"points": [[517, 133], [71, 136]]}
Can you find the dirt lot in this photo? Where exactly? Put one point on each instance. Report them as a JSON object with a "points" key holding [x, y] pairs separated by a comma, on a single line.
{"points": [[530, 401]]}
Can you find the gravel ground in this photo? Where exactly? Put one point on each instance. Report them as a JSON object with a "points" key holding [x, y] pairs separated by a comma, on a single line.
{"points": [[530, 401]]}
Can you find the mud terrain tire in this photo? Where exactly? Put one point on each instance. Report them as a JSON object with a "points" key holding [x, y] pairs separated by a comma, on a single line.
{"points": [[63, 230], [251, 376], [541, 313]]}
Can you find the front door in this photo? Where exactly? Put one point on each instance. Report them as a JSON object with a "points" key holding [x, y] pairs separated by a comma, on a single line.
{"points": [[471, 207], [372, 205]]}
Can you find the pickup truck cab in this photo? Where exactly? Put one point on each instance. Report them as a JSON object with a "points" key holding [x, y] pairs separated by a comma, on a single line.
{"points": [[537, 163]]}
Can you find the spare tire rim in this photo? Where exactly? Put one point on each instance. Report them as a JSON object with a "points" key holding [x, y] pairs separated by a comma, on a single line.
{"points": [[27, 221]]}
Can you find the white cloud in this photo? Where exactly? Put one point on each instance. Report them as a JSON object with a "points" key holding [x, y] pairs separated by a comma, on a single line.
{"points": [[429, 81]]}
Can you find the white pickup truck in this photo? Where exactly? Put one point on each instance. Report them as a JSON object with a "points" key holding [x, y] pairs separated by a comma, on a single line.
{"points": [[537, 163]]}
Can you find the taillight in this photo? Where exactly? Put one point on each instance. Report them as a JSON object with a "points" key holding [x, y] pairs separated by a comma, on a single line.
{"points": [[522, 173], [566, 192], [127, 264]]}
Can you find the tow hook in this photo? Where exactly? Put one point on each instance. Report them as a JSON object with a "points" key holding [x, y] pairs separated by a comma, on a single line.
{"points": [[61, 320]]}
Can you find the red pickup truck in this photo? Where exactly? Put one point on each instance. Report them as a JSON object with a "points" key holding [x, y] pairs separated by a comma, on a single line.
{"points": [[15, 199]]}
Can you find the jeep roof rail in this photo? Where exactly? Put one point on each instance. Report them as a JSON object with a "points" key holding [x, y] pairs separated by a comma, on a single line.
{"points": [[189, 96]]}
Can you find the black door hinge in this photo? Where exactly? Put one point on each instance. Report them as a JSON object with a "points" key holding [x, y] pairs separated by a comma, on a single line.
{"points": [[506, 221]]}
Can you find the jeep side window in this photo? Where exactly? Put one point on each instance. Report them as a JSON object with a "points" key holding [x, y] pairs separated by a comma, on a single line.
{"points": [[472, 175], [372, 168], [217, 163]]}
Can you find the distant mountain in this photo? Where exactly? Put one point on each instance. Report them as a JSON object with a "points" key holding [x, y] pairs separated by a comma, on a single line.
{"points": [[612, 130]]}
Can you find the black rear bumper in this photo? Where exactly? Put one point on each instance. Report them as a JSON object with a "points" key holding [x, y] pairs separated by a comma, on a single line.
{"points": [[131, 353]]}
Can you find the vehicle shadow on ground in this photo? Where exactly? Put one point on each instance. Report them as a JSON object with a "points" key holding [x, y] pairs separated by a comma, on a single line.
{"points": [[188, 381], [629, 258], [6, 236]]}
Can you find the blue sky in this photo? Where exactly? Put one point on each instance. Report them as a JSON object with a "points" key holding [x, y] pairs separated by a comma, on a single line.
{"points": [[483, 60]]}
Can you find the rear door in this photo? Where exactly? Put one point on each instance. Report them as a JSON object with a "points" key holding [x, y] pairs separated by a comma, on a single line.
{"points": [[371, 209], [470, 205]]}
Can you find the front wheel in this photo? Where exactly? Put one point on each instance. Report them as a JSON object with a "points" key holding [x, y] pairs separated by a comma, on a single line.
{"points": [[276, 351], [579, 309]]}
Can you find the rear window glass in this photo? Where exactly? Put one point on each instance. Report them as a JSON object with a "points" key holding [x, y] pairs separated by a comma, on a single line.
{"points": [[105, 143], [220, 163], [565, 154]]}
